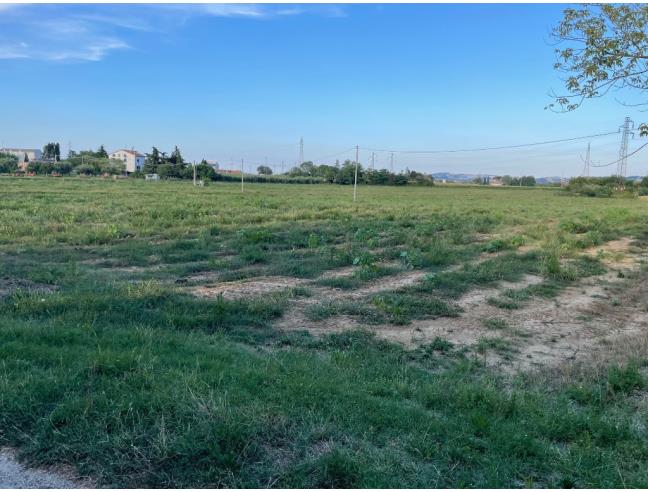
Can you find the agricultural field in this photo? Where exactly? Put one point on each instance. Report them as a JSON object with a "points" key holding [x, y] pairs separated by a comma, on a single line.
{"points": [[161, 335]]}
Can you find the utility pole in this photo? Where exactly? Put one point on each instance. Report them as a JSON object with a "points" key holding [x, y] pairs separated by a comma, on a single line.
{"points": [[391, 163], [622, 167], [355, 181], [301, 151], [586, 170], [241, 175], [373, 157], [282, 167], [194, 172]]}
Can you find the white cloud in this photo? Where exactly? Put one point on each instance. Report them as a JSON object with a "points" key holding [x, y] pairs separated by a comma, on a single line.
{"points": [[234, 10], [95, 51], [261, 11], [125, 22], [8, 6], [47, 33], [57, 33], [13, 52], [92, 52]]}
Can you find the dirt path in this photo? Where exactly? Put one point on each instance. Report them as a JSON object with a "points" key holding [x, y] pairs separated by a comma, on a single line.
{"points": [[14, 475]]}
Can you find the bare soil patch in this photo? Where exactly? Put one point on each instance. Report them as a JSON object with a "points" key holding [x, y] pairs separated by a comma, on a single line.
{"points": [[246, 288], [114, 266], [9, 285], [584, 319], [620, 253]]}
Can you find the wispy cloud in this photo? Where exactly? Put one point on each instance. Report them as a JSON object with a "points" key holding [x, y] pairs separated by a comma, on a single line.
{"points": [[8, 6], [50, 33], [89, 33], [123, 22], [247, 10], [258, 11], [91, 52], [13, 51]]}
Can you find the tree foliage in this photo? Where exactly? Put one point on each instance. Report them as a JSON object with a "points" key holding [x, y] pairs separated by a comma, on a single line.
{"points": [[602, 48], [52, 150], [264, 170], [606, 186], [101, 152], [8, 163], [345, 174], [155, 161]]}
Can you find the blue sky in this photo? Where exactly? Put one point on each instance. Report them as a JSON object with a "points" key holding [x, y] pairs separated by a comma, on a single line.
{"points": [[227, 82]]}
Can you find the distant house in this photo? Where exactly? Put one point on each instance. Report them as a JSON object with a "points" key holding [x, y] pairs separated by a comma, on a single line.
{"points": [[229, 171], [496, 181], [133, 160], [24, 156]]}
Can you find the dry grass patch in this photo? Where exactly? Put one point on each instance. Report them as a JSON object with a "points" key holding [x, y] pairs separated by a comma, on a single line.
{"points": [[246, 288]]}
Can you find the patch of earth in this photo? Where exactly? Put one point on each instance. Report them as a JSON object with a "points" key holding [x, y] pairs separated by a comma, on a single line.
{"points": [[619, 253], [390, 282], [245, 288], [296, 319], [479, 237], [582, 320], [543, 332], [14, 475], [9, 285], [338, 273], [114, 266], [350, 270]]}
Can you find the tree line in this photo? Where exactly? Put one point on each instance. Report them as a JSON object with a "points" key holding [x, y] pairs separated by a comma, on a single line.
{"points": [[345, 174]]}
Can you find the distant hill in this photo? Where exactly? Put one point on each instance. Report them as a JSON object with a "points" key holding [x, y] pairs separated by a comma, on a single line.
{"points": [[549, 180], [467, 178], [458, 178]]}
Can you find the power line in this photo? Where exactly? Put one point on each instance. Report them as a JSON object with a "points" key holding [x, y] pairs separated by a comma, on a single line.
{"points": [[621, 158], [334, 155], [502, 147]]}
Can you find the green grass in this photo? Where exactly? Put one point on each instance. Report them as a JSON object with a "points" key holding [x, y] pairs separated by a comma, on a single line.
{"points": [[496, 324], [116, 369]]}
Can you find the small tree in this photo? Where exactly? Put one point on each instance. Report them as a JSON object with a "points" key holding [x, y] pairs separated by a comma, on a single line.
{"points": [[176, 156], [8, 163], [602, 48], [101, 152], [265, 170], [152, 161]]}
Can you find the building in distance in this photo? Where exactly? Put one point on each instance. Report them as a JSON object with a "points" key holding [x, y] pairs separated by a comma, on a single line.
{"points": [[133, 160], [25, 156]]}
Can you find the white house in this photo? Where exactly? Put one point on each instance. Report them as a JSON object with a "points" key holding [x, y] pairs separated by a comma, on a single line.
{"points": [[24, 155], [133, 160]]}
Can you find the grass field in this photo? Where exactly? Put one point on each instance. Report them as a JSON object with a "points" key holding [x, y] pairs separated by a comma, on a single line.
{"points": [[157, 334]]}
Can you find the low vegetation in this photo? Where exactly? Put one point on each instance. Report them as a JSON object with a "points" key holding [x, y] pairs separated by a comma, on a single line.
{"points": [[607, 187], [112, 364]]}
